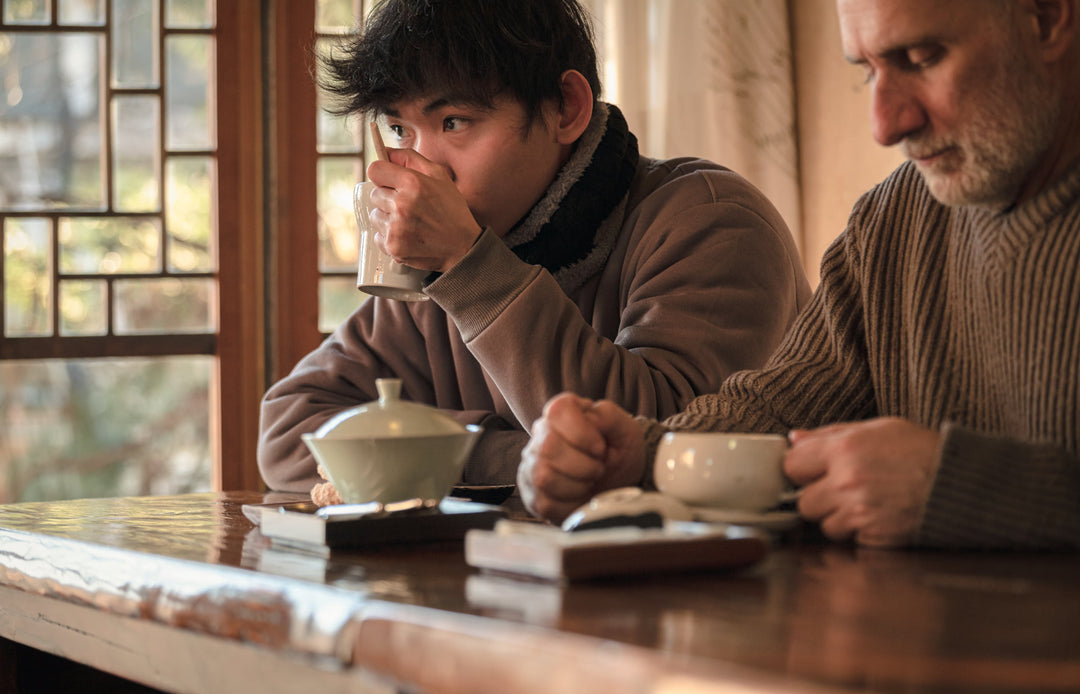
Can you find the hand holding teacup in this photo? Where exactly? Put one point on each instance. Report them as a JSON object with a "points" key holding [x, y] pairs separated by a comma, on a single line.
{"points": [[378, 274], [423, 219]]}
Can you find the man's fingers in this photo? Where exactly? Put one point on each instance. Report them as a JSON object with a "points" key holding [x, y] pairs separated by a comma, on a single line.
{"points": [[555, 457], [836, 527], [805, 462], [812, 452], [608, 417], [566, 400], [552, 487], [816, 502], [569, 416], [411, 160]]}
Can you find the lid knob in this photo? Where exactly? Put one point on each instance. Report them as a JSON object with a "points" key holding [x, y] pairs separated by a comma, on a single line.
{"points": [[389, 390]]}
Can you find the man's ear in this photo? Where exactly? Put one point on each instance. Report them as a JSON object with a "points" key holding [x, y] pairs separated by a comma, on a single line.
{"points": [[1057, 26], [577, 107]]}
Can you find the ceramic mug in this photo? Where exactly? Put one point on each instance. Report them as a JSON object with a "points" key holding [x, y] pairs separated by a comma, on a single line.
{"points": [[742, 472], [378, 274]]}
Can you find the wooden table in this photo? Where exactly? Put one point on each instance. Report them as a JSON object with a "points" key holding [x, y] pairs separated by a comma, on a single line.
{"points": [[183, 594]]}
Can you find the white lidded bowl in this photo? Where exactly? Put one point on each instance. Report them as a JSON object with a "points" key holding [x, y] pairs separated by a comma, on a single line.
{"points": [[391, 449]]}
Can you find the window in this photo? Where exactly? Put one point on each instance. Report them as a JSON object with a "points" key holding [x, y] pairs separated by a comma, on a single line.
{"points": [[339, 148], [130, 212]]}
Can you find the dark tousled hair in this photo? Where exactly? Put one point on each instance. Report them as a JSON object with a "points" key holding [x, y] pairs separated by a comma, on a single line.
{"points": [[469, 50]]}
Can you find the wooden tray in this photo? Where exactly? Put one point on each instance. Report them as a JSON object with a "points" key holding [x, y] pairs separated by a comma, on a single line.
{"points": [[304, 530], [549, 553]]}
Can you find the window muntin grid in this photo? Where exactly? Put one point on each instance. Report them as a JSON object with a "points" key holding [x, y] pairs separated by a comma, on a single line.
{"points": [[107, 178], [340, 164]]}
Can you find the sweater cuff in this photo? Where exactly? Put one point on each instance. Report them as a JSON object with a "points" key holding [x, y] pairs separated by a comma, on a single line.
{"points": [[652, 431], [982, 495], [480, 287]]}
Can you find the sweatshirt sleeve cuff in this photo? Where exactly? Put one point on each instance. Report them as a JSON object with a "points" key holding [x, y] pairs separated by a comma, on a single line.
{"points": [[487, 280]]}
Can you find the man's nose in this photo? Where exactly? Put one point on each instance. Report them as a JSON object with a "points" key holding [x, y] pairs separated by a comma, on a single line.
{"points": [[431, 148], [895, 111], [427, 146]]}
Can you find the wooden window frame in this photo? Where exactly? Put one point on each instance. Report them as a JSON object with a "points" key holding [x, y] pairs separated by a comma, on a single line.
{"points": [[241, 360], [292, 289]]}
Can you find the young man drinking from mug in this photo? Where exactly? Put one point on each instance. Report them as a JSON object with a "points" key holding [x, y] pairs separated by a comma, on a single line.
{"points": [[560, 258]]}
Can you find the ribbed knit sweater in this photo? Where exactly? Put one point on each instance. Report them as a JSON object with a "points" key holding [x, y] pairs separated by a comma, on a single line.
{"points": [[955, 318]]}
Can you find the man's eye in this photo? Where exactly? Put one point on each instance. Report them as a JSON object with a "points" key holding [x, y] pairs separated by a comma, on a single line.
{"points": [[922, 57], [453, 123], [401, 134]]}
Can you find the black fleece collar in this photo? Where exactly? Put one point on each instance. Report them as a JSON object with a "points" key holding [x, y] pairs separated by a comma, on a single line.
{"points": [[572, 230]]}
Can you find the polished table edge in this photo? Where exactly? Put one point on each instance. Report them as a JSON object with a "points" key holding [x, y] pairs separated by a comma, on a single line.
{"points": [[481, 655], [276, 611], [167, 658]]}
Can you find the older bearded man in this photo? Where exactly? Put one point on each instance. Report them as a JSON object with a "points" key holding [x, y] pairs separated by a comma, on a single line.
{"points": [[931, 390]]}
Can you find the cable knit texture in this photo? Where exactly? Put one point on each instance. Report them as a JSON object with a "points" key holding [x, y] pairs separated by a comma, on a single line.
{"points": [[958, 319]]}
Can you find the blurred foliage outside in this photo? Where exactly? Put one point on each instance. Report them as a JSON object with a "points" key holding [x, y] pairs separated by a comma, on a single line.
{"points": [[104, 427]]}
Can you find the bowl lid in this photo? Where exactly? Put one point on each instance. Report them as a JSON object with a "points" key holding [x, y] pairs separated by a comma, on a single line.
{"points": [[388, 417]]}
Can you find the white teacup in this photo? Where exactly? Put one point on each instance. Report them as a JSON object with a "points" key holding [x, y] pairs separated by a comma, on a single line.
{"points": [[742, 472], [378, 274]]}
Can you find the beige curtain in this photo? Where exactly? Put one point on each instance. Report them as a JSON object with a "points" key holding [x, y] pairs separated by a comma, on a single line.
{"points": [[707, 78]]}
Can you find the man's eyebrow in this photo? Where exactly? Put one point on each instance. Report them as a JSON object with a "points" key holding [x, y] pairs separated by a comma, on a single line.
{"points": [[892, 53], [434, 105], [427, 108]]}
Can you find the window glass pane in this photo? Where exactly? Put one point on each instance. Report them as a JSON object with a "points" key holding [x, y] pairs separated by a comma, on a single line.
{"points": [[82, 12], [134, 44], [136, 144], [104, 427], [335, 133], [166, 305], [339, 239], [187, 92], [338, 298], [27, 277], [50, 121], [27, 12], [108, 245], [336, 16], [82, 307], [189, 14], [189, 213]]}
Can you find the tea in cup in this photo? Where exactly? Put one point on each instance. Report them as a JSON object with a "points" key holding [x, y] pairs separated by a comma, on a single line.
{"points": [[379, 274], [739, 472]]}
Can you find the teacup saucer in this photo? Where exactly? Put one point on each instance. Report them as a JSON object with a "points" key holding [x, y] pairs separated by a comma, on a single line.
{"points": [[769, 520]]}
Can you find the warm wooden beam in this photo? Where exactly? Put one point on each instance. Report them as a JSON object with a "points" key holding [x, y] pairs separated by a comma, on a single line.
{"points": [[293, 265], [241, 378]]}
